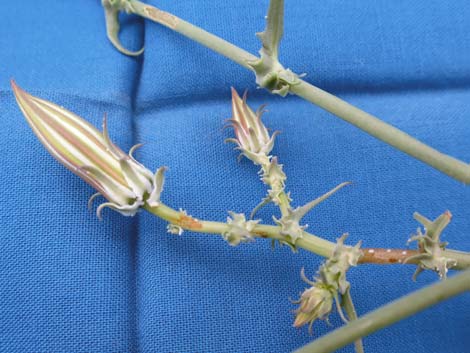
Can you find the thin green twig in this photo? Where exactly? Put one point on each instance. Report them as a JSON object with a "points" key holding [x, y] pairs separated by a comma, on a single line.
{"points": [[308, 242], [348, 306]]}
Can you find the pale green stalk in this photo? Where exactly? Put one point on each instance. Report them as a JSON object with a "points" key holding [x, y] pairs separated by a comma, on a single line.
{"points": [[309, 241], [194, 33], [390, 314], [284, 205], [366, 122], [348, 306]]}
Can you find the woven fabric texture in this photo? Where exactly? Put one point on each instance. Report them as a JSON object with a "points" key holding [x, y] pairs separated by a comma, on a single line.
{"points": [[70, 283]]}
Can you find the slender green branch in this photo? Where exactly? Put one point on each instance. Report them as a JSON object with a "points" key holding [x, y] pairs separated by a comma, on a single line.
{"points": [[383, 131], [364, 121], [352, 316], [284, 205], [309, 241], [194, 33], [390, 314]]}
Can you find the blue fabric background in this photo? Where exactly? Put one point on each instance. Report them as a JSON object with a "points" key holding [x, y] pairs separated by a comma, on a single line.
{"points": [[70, 283]]}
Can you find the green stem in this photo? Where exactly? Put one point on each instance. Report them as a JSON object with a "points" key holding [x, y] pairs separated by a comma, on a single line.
{"points": [[284, 205], [197, 34], [390, 314], [383, 131], [364, 121], [309, 241], [348, 306]]}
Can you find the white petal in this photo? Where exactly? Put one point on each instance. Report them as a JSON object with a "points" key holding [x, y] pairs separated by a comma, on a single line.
{"points": [[158, 181], [125, 210]]}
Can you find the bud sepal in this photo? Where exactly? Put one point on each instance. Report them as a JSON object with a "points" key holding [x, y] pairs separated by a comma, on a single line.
{"points": [[290, 222]]}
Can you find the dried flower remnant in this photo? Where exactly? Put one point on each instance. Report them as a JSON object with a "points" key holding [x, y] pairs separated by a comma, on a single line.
{"points": [[174, 229], [239, 229], [90, 154], [430, 246]]}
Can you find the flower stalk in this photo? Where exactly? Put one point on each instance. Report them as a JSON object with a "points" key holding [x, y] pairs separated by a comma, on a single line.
{"points": [[368, 123], [254, 142]]}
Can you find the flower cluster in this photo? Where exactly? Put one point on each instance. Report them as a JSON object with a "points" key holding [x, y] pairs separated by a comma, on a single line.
{"points": [[255, 143], [90, 154]]}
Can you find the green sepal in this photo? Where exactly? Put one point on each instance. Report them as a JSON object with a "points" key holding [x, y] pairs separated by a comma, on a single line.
{"points": [[290, 222], [270, 73], [112, 8]]}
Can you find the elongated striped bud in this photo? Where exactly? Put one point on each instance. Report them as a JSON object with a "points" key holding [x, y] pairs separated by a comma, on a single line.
{"points": [[91, 155], [252, 137]]}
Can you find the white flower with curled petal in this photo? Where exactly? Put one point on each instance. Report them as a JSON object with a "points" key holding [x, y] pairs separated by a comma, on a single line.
{"points": [[79, 146]]}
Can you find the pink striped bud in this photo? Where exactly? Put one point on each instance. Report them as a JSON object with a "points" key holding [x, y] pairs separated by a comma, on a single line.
{"points": [[90, 154], [252, 137]]}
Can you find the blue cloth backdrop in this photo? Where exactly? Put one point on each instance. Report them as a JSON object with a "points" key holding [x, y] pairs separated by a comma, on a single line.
{"points": [[70, 283]]}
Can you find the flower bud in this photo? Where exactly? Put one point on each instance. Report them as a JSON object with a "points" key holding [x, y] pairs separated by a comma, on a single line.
{"points": [[252, 137], [315, 303], [91, 155]]}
